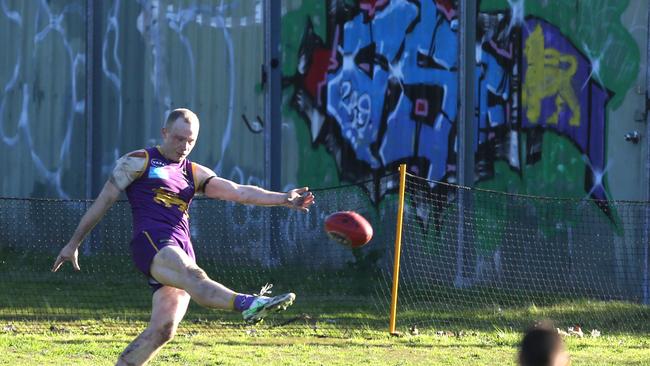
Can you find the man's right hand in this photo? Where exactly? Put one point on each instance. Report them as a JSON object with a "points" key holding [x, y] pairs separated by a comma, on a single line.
{"points": [[70, 252], [104, 201]]}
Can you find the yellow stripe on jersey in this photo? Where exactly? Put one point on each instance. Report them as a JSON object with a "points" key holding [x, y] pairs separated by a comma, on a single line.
{"points": [[151, 241]]}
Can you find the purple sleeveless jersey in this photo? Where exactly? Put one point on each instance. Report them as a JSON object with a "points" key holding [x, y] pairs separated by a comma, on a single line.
{"points": [[161, 196]]}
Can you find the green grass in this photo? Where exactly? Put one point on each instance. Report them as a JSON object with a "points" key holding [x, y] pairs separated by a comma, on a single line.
{"points": [[339, 319], [333, 337], [477, 348]]}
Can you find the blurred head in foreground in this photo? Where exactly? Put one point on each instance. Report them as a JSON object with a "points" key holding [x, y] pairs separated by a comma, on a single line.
{"points": [[543, 346]]}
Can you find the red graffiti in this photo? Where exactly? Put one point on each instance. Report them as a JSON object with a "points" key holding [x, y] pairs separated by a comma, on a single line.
{"points": [[370, 7], [447, 8], [317, 73]]}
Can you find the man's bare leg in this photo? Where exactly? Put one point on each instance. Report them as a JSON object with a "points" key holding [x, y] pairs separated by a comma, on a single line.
{"points": [[173, 267], [169, 305]]}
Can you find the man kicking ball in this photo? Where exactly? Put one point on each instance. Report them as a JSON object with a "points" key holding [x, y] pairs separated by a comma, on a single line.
{"points": [[160, 183]]}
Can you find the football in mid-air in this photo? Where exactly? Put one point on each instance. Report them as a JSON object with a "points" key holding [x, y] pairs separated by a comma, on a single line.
{"points": [[348, 228]]}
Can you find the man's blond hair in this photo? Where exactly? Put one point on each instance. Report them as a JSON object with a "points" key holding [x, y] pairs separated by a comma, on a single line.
{"points": [[184, 113]]}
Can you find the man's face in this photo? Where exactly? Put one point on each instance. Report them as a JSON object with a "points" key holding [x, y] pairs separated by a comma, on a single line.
{"points": [[179, 139]]}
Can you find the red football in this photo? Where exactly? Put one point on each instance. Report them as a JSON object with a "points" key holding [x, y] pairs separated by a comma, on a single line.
{"points": [[348, 228]]}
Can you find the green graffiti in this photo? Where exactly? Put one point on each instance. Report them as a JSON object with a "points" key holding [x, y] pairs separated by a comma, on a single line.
{"points": [[595, 28], [316, 167], [293, 27], [560, 173]]}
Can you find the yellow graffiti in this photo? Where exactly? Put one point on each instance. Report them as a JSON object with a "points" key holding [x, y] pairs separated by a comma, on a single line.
{"points": [[549, 74], [169, 199]]}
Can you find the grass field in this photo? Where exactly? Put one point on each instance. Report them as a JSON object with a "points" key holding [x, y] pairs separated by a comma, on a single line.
{"points": [[344, 337], [87, 319], [475, 348]]}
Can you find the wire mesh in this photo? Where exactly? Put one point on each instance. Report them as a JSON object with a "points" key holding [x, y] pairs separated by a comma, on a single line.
{"points": [[242, 247], [471, 260], [477, 259]]}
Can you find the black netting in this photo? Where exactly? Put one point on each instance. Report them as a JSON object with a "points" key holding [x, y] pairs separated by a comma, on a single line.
{"points": [[508, 260], [243, 247], [502, 261]]}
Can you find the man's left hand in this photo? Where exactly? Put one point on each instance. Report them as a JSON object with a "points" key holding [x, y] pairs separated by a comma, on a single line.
{"points": [[300, 199]]}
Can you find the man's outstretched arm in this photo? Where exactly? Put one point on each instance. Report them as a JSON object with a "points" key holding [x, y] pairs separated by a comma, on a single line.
{"points": [[97, 210], [224, 189]]}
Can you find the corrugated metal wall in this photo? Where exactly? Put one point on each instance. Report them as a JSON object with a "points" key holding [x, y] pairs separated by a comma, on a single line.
{"points": [[83, 82], [144, 58]]}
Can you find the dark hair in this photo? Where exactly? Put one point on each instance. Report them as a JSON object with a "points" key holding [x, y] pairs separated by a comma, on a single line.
{"points": [[539, 346], [187, 115]]}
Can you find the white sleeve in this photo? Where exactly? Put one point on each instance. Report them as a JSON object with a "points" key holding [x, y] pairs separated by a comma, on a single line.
{"points": [[127, 169]]}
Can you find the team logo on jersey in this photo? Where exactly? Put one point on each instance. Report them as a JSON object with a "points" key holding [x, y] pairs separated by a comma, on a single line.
{"points": [[169, 199], [157, 163]]}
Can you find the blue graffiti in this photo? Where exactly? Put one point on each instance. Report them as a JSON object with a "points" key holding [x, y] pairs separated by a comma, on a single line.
{"points": [[356, 91], [388, 93], [393, 90]]}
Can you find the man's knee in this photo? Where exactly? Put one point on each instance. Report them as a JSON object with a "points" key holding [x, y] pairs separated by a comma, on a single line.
{"points": [[164, 334], [197, 273]]}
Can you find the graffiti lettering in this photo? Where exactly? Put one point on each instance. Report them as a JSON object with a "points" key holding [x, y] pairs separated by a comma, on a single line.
{"points": [[391, 91]]}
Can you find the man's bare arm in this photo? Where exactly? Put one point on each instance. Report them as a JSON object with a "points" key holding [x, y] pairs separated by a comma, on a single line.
{"points": [[109, 194], [97, 210], [224, 189], [127, 169]]}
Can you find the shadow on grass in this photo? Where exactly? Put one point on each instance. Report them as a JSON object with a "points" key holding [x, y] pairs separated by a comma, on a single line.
{"points": [[109, 295]]}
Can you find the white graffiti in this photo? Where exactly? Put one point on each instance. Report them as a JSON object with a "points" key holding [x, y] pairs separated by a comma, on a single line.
{"points": [[177, 19], [53, 24], [356, 104], [157, 21], [112, 27]]}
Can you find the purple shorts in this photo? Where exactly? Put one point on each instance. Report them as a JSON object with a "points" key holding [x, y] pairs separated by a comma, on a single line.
{"points": [[147, 244]]}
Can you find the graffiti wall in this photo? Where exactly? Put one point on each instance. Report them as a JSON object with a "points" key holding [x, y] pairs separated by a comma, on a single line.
{"points": [[559, 85], [375, 84], [367, 85]]}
